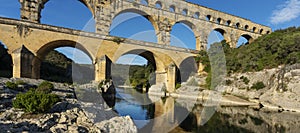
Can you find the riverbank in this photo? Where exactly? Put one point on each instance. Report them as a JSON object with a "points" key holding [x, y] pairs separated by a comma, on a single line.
{"points": [[275, 89], [83, 111]]}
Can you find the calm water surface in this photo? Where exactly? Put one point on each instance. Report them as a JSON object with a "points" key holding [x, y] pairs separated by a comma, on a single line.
{"points": [[174, 115]]}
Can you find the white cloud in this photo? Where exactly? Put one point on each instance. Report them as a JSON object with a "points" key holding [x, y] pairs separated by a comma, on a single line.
{"points": [[286, 12]]}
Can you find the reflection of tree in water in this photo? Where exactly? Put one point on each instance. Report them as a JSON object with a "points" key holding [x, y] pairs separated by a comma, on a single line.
{"points": [[232, 122]]}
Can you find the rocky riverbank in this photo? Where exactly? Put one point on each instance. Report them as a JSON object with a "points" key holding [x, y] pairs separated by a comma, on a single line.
{"points": [[80, 111], [273, 89]]}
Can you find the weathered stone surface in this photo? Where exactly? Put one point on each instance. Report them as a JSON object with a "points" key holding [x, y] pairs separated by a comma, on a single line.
{"points": [[69, 115], [117, 124]]}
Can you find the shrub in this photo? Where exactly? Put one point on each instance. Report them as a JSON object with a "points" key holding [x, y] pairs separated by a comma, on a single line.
{"points": [[11, 85], [35, 102], [245, 80], [258, 85], [228, 82], [178, 85], [20, 82], [45, 87]]}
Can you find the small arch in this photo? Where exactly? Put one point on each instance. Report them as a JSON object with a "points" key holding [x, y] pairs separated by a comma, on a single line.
{"points": [[219, 21], [196, 15], [228, 22], [237, 25], [208, 17], [217, 35], [144, 2], [158, 5], [172, 8], [244, 39], [254, 29], [184, 12], [268, 32], [246, 27], [261, 31]]}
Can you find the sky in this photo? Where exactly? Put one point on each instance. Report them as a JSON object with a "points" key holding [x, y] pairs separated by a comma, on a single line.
{"points": [[278, 14]]}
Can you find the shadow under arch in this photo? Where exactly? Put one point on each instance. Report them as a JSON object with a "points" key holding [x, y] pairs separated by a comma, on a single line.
{"points": [[139, 12], [45, 49], [6, 67], [186, 69]]}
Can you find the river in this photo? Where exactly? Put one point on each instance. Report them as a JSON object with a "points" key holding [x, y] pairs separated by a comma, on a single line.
{"points": [[155, 114]]}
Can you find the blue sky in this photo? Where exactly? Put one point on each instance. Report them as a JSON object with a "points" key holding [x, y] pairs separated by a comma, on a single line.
{"points": [[277, 14]]}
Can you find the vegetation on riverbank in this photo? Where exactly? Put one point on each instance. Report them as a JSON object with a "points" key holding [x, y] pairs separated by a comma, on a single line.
{"points": [[268, 51]]}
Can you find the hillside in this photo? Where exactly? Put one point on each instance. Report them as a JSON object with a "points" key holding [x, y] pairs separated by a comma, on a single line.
{"points": [[57, 67], [268, 51]]}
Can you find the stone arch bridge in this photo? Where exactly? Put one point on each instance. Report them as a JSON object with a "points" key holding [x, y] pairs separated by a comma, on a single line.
{"points": [[28, 41]]}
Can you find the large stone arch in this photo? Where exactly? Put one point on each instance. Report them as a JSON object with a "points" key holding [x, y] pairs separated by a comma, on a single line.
{"points": [[193, 28], [45, 49], [137, 11], [87, 3], [151, 56]]}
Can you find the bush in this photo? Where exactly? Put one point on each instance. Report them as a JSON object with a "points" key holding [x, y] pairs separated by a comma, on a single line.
{"points": [[35, 102], [245, 80], [228, 82], [178, 85], [258, 85], [45, 87], [11, 85], [20, 82]]}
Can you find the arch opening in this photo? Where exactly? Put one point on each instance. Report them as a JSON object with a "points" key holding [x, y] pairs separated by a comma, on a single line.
{"points": [[254, 29], [182, 35], [246, 27], [237, 25], [172, 8], [261, 31], [64, 61], [144, 2], [76, 15], [208, 17], [219, 21], [215, 36], [244, 40], [6, 67], [158, 5], [135, 69], [184, 12], [228, 23], [142, 26], [196, 15]]}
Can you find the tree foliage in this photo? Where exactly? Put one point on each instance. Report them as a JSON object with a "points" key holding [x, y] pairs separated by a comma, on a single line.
{"points": [[268, 51]]}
